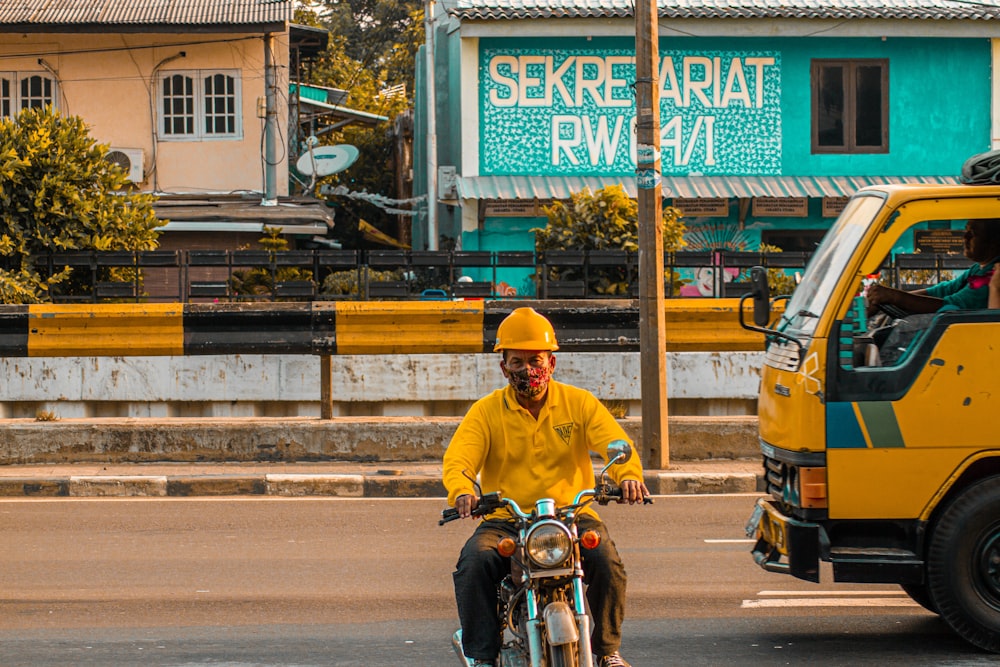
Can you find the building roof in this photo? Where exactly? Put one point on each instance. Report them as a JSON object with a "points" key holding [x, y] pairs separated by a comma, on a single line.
{"points": [[562, 187], [295, 215], [733, 9], [119, 15]]}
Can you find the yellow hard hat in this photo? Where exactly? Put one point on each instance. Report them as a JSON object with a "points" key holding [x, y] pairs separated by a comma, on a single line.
{"points": [[526, 329]]}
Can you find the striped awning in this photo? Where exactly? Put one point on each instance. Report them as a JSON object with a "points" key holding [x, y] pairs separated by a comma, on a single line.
{"points": [[561, 187]]}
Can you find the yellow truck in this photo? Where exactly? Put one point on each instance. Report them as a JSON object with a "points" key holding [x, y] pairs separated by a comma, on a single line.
{"points": [[880, 449]]}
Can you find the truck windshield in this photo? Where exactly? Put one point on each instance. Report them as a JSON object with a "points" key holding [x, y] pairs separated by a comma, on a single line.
{"points": [[828, 263]]}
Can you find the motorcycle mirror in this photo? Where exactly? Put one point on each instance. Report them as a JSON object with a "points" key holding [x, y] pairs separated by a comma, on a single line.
{"points": [[619, 451]]}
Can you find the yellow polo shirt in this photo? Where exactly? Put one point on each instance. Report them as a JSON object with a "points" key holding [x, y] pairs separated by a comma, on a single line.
{"points": [[527, 459]]}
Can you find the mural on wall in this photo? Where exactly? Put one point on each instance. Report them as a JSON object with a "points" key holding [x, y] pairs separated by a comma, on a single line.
{"points": [[572, 112]]}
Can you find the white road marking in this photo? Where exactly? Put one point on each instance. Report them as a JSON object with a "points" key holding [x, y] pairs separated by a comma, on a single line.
{"points": [[728, 541], [863, 598], [833, 593], [828, 602]]}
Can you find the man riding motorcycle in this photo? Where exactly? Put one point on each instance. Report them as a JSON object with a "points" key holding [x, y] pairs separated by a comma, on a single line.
{"points": [[531, 440]]}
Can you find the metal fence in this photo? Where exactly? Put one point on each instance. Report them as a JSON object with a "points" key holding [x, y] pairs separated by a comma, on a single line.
{"points": [[307, 275]]}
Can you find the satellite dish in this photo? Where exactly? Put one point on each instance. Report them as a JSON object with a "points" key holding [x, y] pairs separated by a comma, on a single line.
{"points": [[328, 160]]}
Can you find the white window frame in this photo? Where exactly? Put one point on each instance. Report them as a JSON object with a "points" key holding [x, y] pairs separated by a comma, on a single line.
{"points": [[196, 112], [11, 99]]}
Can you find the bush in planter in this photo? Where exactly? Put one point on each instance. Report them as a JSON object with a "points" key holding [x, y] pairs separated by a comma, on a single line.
{"points": [[604, 220]]}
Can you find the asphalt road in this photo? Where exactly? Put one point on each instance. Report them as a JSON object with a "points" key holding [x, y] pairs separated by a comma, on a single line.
{"points": [[303, 582]]}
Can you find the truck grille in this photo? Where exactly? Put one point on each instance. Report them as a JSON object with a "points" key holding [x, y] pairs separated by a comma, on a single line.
{"points": [[782, 355], [775, 476]]}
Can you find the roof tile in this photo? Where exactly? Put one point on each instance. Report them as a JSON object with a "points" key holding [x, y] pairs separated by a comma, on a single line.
{"points": [[731, 9], [144, 12]]}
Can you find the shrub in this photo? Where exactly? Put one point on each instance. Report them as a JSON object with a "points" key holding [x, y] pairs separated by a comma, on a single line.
{"points": [[57, 192], [604, 220], [259, 280]]}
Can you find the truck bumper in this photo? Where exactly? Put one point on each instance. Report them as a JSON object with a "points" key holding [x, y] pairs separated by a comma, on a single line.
{"points": [[784, 544]]}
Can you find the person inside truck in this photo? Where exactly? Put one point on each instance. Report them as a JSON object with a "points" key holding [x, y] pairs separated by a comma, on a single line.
{"points": [[994, 301], [968, 291]]}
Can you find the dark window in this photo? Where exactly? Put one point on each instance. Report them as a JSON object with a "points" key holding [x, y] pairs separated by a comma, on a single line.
{"points": [[793, 240], [220, 104], [6, 97], [36, 92], [850, 111], [178, 105], [20, 90], [195, 105]]}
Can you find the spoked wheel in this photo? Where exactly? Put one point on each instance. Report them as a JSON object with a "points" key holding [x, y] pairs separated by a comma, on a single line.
{"points": [[563, 655], [963, 565]]}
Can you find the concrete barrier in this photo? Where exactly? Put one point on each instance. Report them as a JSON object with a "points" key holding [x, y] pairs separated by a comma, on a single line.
{"points": [[245, 386]]}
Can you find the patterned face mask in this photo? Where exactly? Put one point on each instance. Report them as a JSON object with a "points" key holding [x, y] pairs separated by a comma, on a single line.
{"points": [[978, 282], [530, 382]]}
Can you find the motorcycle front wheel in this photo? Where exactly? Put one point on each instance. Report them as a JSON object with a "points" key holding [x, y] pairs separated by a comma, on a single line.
{"points": [[563, 655]]}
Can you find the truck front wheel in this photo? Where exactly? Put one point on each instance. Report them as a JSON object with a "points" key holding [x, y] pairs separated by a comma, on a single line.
{"points": [[963, 565]]}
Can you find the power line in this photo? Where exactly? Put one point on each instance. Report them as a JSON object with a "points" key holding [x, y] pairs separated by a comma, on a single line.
{"points": [[116, 49]]}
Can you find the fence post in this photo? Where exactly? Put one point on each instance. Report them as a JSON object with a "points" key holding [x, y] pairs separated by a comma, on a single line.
{"points": [[326, 386]]}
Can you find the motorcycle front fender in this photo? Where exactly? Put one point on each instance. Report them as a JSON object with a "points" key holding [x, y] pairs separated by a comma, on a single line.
{"points": [[560, 624]]}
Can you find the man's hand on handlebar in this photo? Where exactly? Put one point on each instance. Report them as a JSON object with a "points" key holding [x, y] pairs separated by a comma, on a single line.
{"points": [[465, 503], [634, 491]]}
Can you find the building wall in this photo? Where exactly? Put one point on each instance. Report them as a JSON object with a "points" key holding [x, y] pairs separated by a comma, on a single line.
{"points": [[108, 81], [519, 114], [939, 115]]}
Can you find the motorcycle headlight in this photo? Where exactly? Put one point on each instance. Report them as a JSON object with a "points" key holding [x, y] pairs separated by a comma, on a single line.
{"points": [[549, 544]]}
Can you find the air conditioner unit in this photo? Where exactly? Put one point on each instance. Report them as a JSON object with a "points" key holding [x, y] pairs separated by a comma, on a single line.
{"points": [[129, 159]]}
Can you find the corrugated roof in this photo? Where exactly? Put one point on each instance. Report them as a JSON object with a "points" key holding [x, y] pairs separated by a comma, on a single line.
{"points": [[343, 112], [561, 187], [144, 12], [733, 9]]}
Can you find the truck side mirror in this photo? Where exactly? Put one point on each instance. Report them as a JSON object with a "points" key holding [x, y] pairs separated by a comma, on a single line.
{"points": [[761, 293]]}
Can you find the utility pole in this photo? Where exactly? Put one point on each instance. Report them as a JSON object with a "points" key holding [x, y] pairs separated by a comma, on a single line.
{"points": [[652, 343], [432, 227], [270, 125]]}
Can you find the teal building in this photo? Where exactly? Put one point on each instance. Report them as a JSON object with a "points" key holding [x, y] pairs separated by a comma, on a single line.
{"points": [[770, 115]]}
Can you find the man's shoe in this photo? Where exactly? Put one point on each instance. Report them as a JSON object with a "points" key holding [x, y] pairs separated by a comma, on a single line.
{"points": [[613, 660], [484, 663]]}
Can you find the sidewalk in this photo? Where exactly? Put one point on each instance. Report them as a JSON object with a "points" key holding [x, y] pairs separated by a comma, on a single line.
{"points": [[332, 478]]}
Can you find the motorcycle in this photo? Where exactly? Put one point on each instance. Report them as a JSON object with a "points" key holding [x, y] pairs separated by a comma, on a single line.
{"points": [[541, 603]]}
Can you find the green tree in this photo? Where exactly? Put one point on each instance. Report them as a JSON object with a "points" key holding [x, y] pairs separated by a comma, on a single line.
{"points": [[372, 48], [604, 220], [58, 193]]}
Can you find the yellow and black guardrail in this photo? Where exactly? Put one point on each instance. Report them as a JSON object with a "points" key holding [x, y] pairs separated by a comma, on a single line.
{"points": [[351, 327]]}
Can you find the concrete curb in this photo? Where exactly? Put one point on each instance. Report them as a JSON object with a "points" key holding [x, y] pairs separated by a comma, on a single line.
{"points": [[322, 485], [405, 440]]}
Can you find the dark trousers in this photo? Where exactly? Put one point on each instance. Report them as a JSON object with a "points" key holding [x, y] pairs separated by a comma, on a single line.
{"points": [[480, 569]]}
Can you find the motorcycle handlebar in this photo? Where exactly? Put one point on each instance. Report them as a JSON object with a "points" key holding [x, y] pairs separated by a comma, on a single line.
{"points": [[603, 495], [486, 505], [447, 515]]}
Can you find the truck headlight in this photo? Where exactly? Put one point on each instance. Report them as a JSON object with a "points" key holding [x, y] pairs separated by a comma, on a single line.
{"points": [[549, 544]]}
